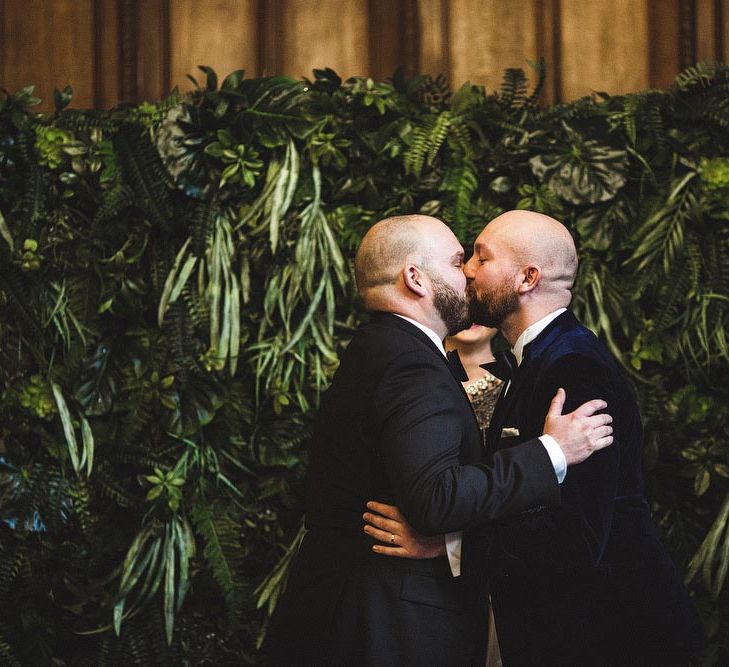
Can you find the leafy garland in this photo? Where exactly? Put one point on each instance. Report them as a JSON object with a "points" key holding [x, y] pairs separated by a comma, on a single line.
{"points": [[175, 288]]}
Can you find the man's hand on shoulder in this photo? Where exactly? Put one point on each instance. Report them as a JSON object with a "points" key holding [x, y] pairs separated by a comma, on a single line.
{"points": [[580, 433], [396, 537]]}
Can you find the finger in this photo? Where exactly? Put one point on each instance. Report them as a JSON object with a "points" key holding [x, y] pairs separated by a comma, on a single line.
{"points": [[381, 535], [390, 511], [598, 420], [398, 552], [602, 432], [603, 442], [590, 408], [383, 523], [555, 407]]}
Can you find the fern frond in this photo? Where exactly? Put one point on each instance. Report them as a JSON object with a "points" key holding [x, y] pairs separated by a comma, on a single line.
{"points": [[144, 172], [20, 304], [199, 220], [114, 201], [111, 489], [513, 88], [660, 239], [222, 550], [79, 492], [82, 122], [428, 140], [673, 298], [463, 182]]}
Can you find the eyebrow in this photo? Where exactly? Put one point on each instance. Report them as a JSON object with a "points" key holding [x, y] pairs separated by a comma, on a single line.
{"points": [[479, 248], [458, 255]]}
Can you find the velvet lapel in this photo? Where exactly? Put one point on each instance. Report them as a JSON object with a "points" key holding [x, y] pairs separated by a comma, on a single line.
{"points": [[525, 373]]}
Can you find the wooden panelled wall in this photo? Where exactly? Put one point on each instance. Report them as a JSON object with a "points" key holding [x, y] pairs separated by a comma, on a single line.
{"points": [[131, 50]]}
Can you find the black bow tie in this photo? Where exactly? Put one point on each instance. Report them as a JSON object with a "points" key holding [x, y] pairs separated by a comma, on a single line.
{"points": [[504, 366], [454, 363]]}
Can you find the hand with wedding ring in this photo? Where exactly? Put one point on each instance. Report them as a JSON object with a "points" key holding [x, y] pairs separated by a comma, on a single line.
{"points": [[386, 524]]}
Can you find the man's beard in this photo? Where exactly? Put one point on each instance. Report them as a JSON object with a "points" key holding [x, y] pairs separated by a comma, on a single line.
{"points": [[451, 306], [491, 308]]}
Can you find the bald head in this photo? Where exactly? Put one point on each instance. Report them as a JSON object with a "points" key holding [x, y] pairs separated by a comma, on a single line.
{"points": [[535, 238], [389, 245]]}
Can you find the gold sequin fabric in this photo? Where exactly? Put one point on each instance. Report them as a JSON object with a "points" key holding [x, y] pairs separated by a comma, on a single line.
{"points": [[483, 394]]}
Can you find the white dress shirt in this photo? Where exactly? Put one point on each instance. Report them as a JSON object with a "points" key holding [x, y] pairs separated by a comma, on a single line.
{"points": [[454, 540]]}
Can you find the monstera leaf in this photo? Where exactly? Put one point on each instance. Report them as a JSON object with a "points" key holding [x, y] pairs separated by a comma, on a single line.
{"points": [[98, 384], [582, 171], [181, 140]]}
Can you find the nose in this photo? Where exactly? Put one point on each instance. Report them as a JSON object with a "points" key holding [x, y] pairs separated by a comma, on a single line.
{"points": [[469, 268]]}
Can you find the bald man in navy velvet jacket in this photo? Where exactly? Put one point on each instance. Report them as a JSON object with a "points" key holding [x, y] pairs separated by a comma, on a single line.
{"points": [[588, 582]]}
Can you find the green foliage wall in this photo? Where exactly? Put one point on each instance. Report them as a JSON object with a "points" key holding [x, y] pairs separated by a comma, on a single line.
{"points": [[175, 287]]}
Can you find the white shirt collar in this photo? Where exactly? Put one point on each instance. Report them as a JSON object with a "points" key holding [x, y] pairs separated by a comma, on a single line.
{"points": [[428, 332], [530, 333]]}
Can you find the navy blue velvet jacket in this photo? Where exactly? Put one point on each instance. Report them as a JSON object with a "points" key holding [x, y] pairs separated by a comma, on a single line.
{"points": [[587, 582]]}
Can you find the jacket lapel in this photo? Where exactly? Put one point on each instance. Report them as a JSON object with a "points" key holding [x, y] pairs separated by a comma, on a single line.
{"points": [[507, 406], [391, 320]]}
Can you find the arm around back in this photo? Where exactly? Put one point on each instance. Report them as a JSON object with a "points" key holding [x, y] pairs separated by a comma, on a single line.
{"points": [[422, 417]]}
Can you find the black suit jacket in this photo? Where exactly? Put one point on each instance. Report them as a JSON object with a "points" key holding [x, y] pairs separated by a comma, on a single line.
{"points": [[397, 426], [588, 582]]}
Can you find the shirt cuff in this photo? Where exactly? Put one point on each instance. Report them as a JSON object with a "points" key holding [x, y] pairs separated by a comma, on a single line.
{"points": [[453, 550], [556, 455]]}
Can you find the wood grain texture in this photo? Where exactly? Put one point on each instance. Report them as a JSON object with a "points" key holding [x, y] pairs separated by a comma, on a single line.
{"points": [[487, 37], [393, 37], [220, 33], [548, 15], [49, 44], [107, 52], [724, 30], [129, 50], [324, 33], [605, 46], [665, 38], [707, 46], [433, 47], [153, 50]]}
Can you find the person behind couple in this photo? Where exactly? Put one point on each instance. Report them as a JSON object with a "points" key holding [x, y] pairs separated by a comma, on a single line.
{"points": [[586, 582], [474, 349], [396, 425]]}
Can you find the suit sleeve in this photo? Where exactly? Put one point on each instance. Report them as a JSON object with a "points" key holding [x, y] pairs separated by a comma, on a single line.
{"points": [[575, 534], [421, 426]]}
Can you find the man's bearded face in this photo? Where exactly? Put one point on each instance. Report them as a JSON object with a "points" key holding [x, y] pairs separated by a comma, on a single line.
{"points": [[451, 306], [491, 306]]}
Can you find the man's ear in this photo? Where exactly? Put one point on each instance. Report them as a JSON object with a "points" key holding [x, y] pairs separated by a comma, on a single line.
{"points": [[530, 277], [413, 278]]}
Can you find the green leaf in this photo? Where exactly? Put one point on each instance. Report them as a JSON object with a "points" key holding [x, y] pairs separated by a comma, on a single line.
{"points": [[702, 482], [88, 443], [169, 590], [68, 429], [5, 232], [171, 282], [62, 98]]}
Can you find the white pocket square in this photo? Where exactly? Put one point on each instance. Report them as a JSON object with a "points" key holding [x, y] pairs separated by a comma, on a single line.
{"points": [[509, 432]]}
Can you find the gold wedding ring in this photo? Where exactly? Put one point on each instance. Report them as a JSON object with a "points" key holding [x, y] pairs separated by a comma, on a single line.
{"points": [[392, 539]]}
